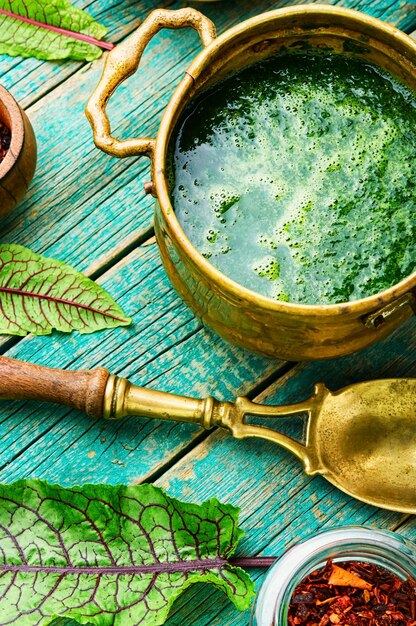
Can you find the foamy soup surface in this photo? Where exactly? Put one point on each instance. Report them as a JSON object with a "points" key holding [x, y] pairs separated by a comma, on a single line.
{"points": [[297, 178]]}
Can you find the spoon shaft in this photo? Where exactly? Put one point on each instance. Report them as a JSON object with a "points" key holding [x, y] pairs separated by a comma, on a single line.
{"points": [[121, 399], [100, 394]]}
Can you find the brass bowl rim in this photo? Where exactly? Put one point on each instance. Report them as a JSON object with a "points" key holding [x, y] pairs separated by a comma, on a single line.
{"points": [[353, 307], [16, 131]]}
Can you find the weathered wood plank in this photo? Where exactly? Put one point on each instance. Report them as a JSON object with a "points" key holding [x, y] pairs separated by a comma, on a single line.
{"points": [[31, 79], [79, 194], [408, 529], [69, 343], [165, 348], [280, 505]]}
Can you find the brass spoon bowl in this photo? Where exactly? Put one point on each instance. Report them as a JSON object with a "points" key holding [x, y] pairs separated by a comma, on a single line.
{"points": [[362, 438]]}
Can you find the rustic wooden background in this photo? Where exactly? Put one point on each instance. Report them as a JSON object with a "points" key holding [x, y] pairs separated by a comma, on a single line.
{"points": [[89, 210]]}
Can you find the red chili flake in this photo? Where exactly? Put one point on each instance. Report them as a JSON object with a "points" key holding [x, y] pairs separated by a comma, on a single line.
{"points": [[5, 139], [353, 594]]}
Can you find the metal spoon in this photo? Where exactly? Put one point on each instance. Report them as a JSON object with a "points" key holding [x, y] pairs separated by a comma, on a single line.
{"points": [[362, 438]]}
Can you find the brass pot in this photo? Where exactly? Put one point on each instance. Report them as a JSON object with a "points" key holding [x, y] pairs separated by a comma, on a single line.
{"points": [[18, 166], [277, 329]]}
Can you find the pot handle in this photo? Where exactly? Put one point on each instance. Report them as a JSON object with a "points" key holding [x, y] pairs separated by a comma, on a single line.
{"points": [[406, 303], [122, 62]]}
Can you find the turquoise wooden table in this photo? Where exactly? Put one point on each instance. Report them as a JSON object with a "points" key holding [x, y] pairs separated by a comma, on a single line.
{"points": [[89, 210]]}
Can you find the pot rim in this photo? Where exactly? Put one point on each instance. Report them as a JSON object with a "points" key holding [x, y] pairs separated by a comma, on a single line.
{"points": [[353, 307], [16, 130]]}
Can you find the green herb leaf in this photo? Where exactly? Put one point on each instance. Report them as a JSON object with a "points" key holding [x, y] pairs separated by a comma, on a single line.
{"points": [[19, 38], [110, 555], [38, 294]]}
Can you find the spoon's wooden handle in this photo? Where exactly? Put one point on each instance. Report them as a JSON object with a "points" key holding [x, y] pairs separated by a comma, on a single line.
{"points": [[82, 390]]}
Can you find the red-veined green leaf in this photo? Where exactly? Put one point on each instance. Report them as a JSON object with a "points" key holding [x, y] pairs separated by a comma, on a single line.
{"points": [[22, 38], [38, 294], [108, 555]]}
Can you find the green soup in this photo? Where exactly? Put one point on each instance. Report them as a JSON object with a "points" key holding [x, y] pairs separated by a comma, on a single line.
{"points": [[297, 178]]}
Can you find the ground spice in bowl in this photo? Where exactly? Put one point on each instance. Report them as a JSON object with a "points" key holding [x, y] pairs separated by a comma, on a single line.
{"points": [[5, 140], [354, 594]]}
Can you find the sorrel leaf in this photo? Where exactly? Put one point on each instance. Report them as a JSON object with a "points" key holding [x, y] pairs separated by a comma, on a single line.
{"points": [[108, 555], [38, 294], [18, 38]]}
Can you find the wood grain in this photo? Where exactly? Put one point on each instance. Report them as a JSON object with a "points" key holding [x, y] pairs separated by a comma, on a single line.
{"points": [[89, 210], [165, 348], [32, 79], [81, 390], [280, 505]]}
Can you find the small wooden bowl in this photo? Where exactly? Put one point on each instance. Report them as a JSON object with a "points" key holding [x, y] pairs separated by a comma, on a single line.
{"points": [[18, 166]]}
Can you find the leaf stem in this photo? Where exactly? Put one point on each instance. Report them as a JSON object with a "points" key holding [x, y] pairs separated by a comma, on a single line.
{"points": [[175, 566], [61, 31], [253, 561]]}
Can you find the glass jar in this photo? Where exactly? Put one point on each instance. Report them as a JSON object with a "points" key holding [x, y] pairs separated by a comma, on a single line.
{"points": [[350, 543]]}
